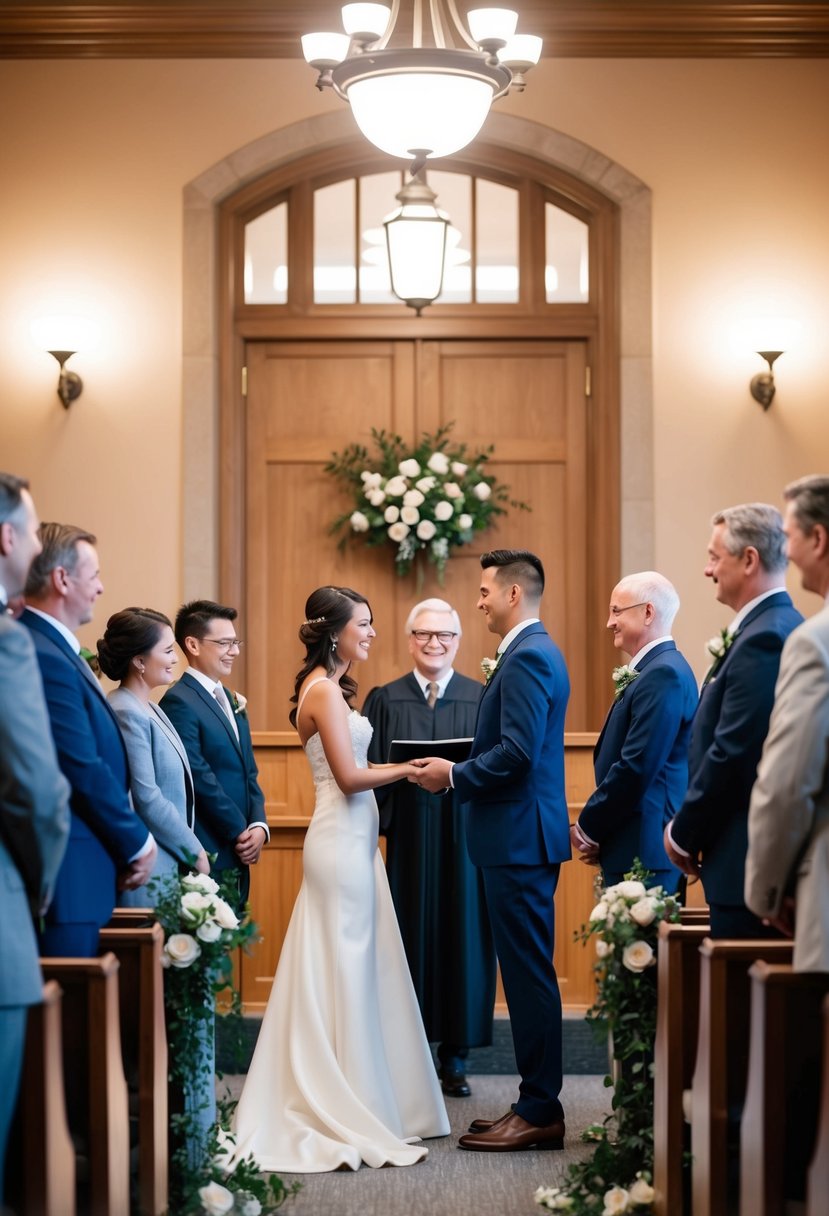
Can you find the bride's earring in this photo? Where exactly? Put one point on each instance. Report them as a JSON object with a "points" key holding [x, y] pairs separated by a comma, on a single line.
{"points": [[333, 645]]}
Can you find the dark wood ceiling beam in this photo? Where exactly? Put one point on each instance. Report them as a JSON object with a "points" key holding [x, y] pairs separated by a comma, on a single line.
{"points": [[272, 28]]}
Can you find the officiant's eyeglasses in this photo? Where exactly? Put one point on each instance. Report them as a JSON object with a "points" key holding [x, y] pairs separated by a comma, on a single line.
{"points": [[444, 636], [226, 643], [616, 611]]}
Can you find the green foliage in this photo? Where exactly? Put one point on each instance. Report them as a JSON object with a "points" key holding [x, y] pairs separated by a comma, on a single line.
{"points": [[624, 926], [429, 499]]}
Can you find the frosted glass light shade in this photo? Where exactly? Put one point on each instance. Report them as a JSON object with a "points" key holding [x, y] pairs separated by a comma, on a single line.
{"points": [[417, 244], [325, 50], [487, 23], [365, 20], [430, 112], [522, 52]]}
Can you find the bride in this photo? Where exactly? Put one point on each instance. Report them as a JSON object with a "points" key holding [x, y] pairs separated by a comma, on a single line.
{"points": [[342, 1073]]}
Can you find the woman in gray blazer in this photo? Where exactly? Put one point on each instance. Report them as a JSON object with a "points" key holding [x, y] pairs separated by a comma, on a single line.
{"points": [[138, 649]]}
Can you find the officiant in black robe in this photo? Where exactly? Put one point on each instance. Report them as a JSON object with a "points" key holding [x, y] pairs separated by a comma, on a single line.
{"points": [[438, 893]]}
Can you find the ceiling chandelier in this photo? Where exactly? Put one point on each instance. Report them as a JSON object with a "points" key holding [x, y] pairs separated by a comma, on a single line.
{"points": [[422, 101]]}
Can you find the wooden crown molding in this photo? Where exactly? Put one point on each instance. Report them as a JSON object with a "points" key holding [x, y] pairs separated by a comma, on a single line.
{"points": [[196, 29]]}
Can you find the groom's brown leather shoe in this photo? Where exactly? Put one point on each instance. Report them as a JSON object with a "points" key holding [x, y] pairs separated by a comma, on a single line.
{"points": [[514, 1134], [484, 1125]]}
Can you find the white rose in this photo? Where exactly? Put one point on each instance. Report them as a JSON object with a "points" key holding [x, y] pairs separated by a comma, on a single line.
{"points": [[216, 1199], [194, 906], [376, 497], [391, 514], [638, 956], [611, 892], [412, 498], [398, 532], [210, 931], [603, 948], [599, 912], [182, 949], [482, 490], [396, 487], [464, 522], [224, 914], [200, 882], [630, 889], [452, 490], [251, 1207], [358, 521], [444, 510], [644, 911], [459, 468], [615, 1201], [439, 463], [410, 515], [409, 468], [641, 1192], [426, 529], [425, 484]]}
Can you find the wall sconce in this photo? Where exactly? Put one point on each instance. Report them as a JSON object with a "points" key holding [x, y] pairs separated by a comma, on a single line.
{"points": [[63, 337], [762, 385], [770, 337]]}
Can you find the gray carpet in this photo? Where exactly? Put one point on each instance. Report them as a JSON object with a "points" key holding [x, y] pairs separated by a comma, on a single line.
{"points": [[451, 1182]]}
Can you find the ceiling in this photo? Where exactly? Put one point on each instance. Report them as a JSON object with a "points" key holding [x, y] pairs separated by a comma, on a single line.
{"points": [[239, 29]]}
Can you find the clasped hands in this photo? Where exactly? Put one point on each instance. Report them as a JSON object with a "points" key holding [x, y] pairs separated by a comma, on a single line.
{"points": [[432, 774]]}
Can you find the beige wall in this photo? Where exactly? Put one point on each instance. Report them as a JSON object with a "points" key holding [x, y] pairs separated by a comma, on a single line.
{"points": [[94, 159]]}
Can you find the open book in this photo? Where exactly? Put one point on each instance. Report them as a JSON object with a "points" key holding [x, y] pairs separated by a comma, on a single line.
{"points": [[401, 750]]}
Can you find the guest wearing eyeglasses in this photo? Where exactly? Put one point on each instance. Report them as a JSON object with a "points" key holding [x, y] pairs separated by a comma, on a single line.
{"points": [[212, 722], [438, 893]]}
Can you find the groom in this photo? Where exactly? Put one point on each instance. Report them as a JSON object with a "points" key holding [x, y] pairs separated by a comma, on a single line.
{"points": [[518, 834]]}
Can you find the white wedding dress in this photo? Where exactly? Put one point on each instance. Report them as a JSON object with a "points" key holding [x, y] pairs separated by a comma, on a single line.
{"points": [[342, 1073]]}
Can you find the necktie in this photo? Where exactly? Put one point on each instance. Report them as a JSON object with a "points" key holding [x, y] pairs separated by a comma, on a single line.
{"points": [[431, 694], [224, 705]]}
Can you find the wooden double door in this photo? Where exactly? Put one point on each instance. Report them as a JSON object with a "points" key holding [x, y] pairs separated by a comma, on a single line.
{"points": [[308, 399]]}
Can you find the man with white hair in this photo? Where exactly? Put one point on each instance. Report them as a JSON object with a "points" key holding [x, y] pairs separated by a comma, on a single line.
{"points": [[641, 757], [437, 891]]}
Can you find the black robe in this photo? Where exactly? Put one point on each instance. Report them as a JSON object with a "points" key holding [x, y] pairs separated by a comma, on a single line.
{"points": [[438, 893]]}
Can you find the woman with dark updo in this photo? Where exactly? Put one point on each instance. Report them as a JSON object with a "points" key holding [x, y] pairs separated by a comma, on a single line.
{"points": [[138, 650], [342, 1074]]}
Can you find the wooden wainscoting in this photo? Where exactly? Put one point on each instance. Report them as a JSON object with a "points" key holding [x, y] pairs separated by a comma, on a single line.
{"points": [[289, 796]]}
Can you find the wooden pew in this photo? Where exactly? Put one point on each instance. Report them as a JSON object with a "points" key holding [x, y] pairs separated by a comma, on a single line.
{"points": [[40, 1165], [722, 1060], [695, 916], [782, 1096], [94, 1075], [144, 1045], [818, 1182], [676, 1039], [131, 918]]}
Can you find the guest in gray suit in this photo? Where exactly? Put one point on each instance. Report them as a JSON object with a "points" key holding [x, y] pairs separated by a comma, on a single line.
{"points": [[34, 814], [787, 868], [138, 649]]}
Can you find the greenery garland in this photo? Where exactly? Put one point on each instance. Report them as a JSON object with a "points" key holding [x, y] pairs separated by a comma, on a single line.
{"points": [[201, 934], [625, 927]]}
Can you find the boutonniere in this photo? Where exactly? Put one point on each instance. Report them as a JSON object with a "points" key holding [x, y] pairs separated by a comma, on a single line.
{"points": [[239, 704], [719, 645], [622, 676], [488, 667], [91, 658]]}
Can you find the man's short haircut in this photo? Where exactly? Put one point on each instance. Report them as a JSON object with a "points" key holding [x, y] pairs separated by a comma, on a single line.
{"points": [[11, 495], [810, 496], [758, 525], [650, 587], [517, 566], [433, 605], [60, 549], [193, 619]]}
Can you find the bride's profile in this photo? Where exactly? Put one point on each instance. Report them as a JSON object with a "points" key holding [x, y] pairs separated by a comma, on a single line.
{"points": [[342, 1074]]}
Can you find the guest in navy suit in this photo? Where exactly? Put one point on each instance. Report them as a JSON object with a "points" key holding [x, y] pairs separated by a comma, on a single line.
{"points": [[109, 847], [641, 757], [34, 797], [213, 726], [709, 836], [518, 833]]}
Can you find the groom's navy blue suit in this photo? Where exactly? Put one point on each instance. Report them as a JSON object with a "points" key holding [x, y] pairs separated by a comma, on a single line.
{"points": [[641, 767], [518, 833]]}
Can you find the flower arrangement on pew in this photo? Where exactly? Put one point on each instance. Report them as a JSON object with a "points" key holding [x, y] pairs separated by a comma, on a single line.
{"points": [[428, 499], [201, 934], [617, 1178]]}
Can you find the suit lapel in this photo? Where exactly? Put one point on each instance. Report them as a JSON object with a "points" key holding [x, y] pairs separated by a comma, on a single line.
{"points": [[215, 708]]}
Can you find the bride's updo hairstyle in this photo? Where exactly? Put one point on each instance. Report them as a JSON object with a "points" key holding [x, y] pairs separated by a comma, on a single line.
{"points": [[129, 633], [327, 611]]}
